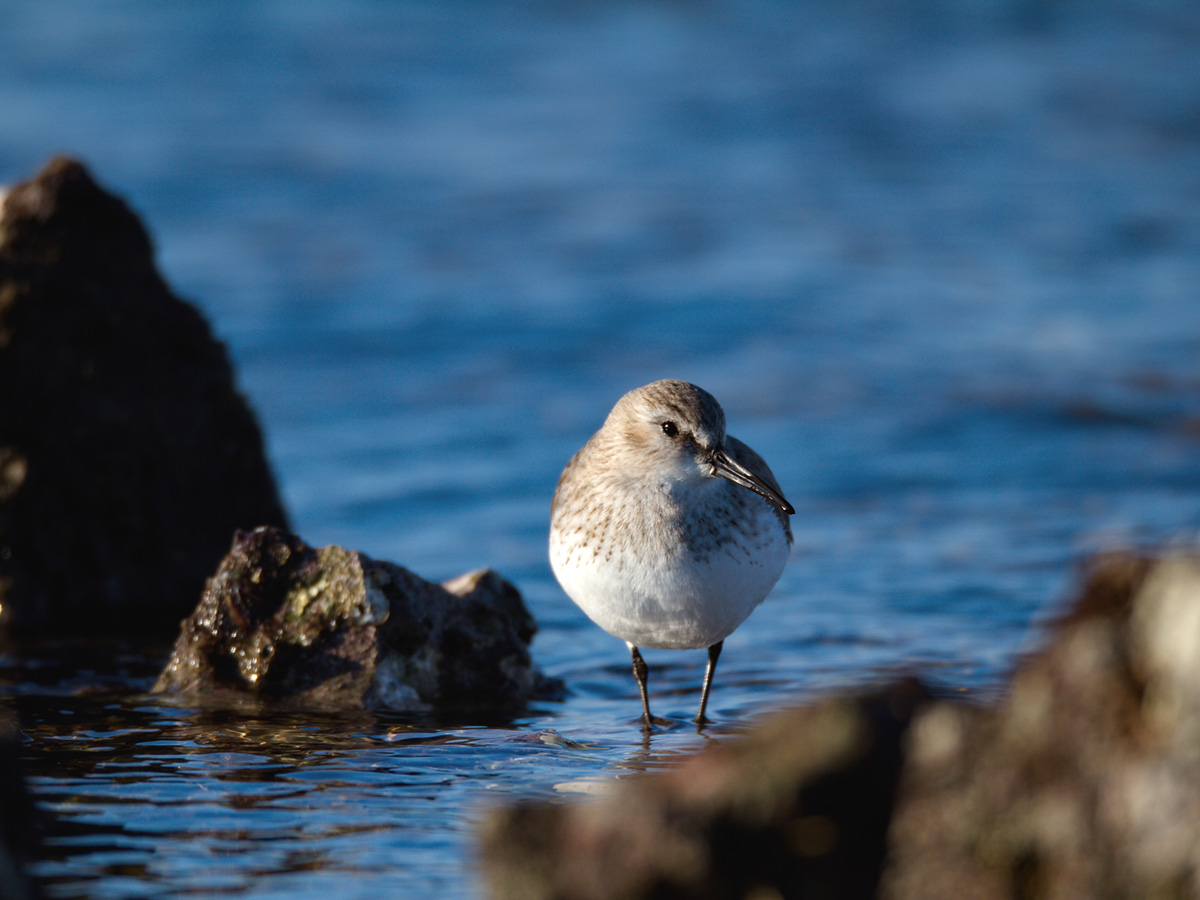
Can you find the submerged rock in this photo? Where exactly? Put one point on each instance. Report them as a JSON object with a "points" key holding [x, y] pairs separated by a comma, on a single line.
{"points": [[1085, 780], [127, 455], [797, 808], [332, 628]]}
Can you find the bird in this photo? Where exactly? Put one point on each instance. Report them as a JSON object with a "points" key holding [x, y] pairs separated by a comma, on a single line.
{"points": [[666, 531]]}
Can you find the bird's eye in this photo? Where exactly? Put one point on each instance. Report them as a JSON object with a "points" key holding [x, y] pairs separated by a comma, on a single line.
{"points": [[670, 429]]}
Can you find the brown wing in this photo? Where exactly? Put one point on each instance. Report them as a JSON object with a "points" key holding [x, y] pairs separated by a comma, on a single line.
{"points": [[756, 464]]}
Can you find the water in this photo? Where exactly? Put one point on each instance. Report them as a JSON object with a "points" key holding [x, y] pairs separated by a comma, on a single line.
{"points": [[939, 262]]}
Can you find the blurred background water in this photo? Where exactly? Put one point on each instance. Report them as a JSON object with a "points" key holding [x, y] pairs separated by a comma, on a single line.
{"points": [[940, 263]]}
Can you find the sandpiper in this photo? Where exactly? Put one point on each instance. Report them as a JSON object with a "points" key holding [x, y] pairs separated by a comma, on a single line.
{"points": [[666, 531]]}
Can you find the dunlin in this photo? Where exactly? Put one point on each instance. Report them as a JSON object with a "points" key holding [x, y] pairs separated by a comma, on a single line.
{"points": [[666, 531]]}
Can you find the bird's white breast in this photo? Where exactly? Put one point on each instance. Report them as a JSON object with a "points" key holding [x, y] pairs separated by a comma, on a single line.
{"points": [[664, 579]]}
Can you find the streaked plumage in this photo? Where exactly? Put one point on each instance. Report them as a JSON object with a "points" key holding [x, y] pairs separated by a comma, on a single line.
{"points": [[665, 531]]}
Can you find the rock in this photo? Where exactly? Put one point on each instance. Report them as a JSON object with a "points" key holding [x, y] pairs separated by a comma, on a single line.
{"points": [[797, 808], [18, 819], [127, 456], [331, 628], [1082, 781], [1085, 780]]}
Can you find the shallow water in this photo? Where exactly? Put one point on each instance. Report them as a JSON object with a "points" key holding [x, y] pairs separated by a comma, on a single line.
{"points": [[940, 265]]}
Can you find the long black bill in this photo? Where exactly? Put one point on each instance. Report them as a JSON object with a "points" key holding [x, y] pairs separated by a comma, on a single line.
{"points": [[728, 467]]}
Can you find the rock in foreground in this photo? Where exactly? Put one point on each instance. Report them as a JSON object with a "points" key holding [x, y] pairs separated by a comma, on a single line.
{"points": [[798, 808], [331, 628], [127, 456], [1085, 780], [1082, 782]]}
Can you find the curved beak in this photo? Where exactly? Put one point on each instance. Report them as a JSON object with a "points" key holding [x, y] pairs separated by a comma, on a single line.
{"points": [[727, 467]]}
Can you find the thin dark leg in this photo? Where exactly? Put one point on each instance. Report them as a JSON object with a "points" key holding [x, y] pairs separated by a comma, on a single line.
{"points": [[714, 653], [639, 672]]}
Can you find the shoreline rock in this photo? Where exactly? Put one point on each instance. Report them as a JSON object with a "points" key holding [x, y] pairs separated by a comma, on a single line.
{"points": [[1082, 781], [282, 622], [19, 832], [127, 455]]}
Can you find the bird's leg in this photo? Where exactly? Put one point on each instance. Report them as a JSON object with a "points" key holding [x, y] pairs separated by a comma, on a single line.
{"points": [[714, 653], [639, 672]]}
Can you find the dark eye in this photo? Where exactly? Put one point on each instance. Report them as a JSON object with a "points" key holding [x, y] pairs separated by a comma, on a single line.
{"points": [[670, 429]]}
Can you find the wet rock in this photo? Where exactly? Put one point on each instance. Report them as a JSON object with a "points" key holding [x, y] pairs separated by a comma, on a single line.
{"points": [[1085, 780], [331, 628], [797, 808], [127, 456], [18, 825]]}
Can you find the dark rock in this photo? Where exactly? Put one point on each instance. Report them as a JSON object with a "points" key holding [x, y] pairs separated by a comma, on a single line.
{"points": [[331, 628], [127, 456], [1082, 781], [797, 808], [18, 822], [1085, 780]]}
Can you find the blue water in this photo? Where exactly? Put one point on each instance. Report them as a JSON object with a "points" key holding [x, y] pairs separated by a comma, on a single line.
{"points": [[939, 262]]}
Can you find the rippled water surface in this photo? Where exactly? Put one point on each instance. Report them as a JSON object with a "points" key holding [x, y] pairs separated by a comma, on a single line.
{"points": [[940, 263]]}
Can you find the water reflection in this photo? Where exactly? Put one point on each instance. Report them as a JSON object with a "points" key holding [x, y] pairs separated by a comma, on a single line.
{"points": [[149, 798]]}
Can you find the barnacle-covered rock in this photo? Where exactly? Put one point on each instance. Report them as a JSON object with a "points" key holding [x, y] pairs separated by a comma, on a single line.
{"points": [[281, 621], [1084, 781]]}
